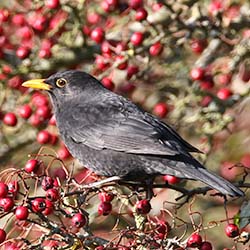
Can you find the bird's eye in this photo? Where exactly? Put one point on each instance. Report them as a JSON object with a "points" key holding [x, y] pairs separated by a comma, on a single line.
{"points": [[61, 82]]}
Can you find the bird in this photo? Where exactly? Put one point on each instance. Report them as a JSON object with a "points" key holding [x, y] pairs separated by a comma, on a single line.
{"points": [[114, 137]]}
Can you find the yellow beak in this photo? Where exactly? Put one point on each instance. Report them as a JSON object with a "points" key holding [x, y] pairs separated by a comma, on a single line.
{"points": [[37, 84]]}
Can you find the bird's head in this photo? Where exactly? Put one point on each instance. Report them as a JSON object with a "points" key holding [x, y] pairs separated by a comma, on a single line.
{"points": [[65, 84]]}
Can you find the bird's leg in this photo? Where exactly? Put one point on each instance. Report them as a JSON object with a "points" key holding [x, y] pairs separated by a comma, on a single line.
{"points": [[149, 188], [101, 182]]}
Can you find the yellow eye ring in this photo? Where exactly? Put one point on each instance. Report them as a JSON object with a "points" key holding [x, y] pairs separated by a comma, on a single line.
{"points": [[61, 82]]}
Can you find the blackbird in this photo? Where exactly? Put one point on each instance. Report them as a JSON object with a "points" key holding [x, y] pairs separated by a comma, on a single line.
{"points": [[114, 137]]}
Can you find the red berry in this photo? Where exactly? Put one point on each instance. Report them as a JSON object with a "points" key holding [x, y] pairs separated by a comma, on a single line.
{"points": [[13, 188], [141, 14], [137, 38], [197, 74], [39, 23], [224, 93], [25, 111], [104, 208], [45, 53], [156, 6], [108, 83], [6, 204], [206, 100], [63, 153], [156, 49], [35, 120], [101, 62], [2, 235], [44, 112], [121, 46], [143, 206], [31, 165], [161, 109], [105, 197], [47, 183], [232, 230], [23, 52], [205, 245], [194, 240], [215, 6], [25, 32], [206, 84], [97, 35], [22, 213], [52, 194], [163, 227], [15, 82], [39, 100], [4, 15], [122, 62], [38, 205], [78, 220], [132, 70], [106, 50], [198, 45], [3, 189], [52, 120], [43, 137], [18, 19], [171, 179], [225, 79], [10, 119], [109, 5], [49, 207], [135, 4], [52, 4]]}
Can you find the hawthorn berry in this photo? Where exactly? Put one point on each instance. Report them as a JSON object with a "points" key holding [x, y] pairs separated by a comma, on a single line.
{"points": [[206, 84], [205, 245], [3, 189], [22, 52], [161, 109], [137, 38], [22, 213], [52, 4], [97, 35], [25, 111], [15, 82], [104, 208], [2, 235], [132, 70], [108, 83], [47, 183], [49, 207], [44, 112], [10, 119], [31, 165], [206, 100], [38, 100], [18, 19], [52, 194], [35, 120], [163, 227], [106, 196], [4, 15], [195, 240], [122, 62], [101, 62], [78, 220], [224, 93], [43, 137], [52, 120], [13, 188], [198, 45], [38, 205], [156, 49], [141, 14], [135, 4], [63, 153], [232, 230], [197, 73], [225, 79], [6, 204], [143, 206], [39, 23], [171, 179]]}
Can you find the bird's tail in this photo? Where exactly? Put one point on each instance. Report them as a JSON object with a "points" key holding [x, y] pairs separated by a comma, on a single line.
{"points": [[190, 168]]}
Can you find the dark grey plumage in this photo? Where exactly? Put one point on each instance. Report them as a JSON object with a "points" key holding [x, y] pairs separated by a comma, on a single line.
{"points": [[113, 137]]}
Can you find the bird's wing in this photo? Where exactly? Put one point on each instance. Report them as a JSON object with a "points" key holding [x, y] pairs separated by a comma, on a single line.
{"points": [[120, 125]]}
